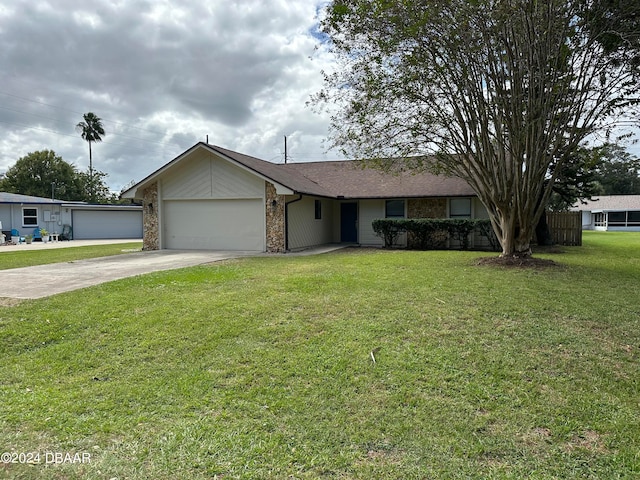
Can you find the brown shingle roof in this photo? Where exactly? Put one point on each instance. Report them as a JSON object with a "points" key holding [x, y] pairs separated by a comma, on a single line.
{"points": [[296, 181], [339, 179], [349, 179]]}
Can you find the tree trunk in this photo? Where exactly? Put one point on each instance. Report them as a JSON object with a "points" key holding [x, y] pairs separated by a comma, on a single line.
{"points": [[514, 239], [90, 175]]}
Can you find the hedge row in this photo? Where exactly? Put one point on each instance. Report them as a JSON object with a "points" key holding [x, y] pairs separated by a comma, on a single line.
{"points": [[433, 233]]}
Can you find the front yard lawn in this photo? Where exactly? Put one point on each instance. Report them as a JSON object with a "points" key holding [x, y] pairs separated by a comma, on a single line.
{"points": [[13, 257], [264, 368]]}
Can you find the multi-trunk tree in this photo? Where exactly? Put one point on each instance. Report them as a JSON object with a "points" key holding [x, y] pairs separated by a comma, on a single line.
{"points": [[498, 92]]}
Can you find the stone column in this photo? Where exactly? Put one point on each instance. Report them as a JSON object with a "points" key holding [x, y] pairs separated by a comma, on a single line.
{"points": [[150, 224], [274, 209]]}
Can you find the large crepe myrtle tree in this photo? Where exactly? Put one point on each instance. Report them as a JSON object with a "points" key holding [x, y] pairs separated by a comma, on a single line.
{"points": [[498, 92]]}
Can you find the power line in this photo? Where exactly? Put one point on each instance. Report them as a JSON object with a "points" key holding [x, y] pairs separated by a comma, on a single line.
{"points": [[107, 142], [74, 111], [117, 134], [38, 128]]}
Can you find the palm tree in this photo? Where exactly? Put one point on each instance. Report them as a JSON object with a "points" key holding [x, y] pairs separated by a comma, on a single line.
{"points": [[91, 131]]}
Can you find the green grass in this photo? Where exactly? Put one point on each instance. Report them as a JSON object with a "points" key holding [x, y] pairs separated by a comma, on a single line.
{"points": [[13, 257], [262, 368]]}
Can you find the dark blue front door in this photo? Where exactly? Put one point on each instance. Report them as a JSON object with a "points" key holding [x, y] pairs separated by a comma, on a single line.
{"points": [[349, 222]]}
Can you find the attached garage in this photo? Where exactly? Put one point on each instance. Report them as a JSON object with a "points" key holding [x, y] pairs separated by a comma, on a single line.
{"points": [[101, 223], [220, 224]]}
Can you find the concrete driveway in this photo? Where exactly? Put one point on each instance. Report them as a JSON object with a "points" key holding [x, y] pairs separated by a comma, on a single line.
{"points": [[45, 280]]}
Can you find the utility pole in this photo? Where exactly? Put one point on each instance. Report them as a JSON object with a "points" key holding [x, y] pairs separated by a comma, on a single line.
{"points": [[286, 157]]}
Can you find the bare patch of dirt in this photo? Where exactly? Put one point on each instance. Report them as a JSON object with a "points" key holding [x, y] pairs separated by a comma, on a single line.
{"points": [[536, 436], [9, 302], [590, 441], [518, 262]]}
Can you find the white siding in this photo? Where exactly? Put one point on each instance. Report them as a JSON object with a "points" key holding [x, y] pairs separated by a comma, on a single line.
{"points": [[370, 210], [304, 230], [478, 209], [205, 176], [480, 212]]}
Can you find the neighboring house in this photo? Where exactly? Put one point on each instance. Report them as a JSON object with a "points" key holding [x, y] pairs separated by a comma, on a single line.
{"points": [[24, 213], [212, 198], [611, 213]]}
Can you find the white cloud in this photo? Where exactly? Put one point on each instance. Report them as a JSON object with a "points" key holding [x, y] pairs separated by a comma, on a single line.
{"points": [[162, 75]]}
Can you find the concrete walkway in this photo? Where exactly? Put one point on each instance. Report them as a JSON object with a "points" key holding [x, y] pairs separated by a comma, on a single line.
{"points": [[44, 280]]}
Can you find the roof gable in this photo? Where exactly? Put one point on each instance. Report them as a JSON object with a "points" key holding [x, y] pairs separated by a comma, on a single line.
{"points": [[251, 164]]}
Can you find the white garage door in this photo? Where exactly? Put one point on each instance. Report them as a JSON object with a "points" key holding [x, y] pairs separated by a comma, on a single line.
{"points": [[94, 224], [214, 224]]}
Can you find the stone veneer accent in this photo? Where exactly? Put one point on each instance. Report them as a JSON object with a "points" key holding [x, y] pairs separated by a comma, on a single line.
{"points": [[274, 219], [150, 208], [427, 208]]}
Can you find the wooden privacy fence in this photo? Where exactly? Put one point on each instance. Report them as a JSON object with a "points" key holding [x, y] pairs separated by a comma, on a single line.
{"points": [[565, 227]]}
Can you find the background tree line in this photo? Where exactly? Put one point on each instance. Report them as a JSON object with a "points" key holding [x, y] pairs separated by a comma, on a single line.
{"points": [[45, 174], [603, 170]]}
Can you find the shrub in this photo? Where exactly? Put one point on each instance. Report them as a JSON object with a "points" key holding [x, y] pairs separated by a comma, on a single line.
{"points": [[388, 230], [433, 233]]}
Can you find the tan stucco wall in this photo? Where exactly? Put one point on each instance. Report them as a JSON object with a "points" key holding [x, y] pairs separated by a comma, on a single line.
{"points": [[150, 209]]}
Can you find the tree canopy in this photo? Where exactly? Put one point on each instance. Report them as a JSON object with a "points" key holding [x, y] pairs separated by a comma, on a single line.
{"points": [[38, 172], [498, 92], [617, 172], [34, 174], [602, 170]]}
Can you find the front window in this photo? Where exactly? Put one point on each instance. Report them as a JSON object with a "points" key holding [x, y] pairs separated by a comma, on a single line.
{"points": [[29, 217], [394, 209], [318, 209], [634, 219], [460, 208], [617, 219]]}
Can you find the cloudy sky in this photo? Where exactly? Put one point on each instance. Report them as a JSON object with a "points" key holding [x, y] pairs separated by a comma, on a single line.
{"points": [[162, 75]]}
